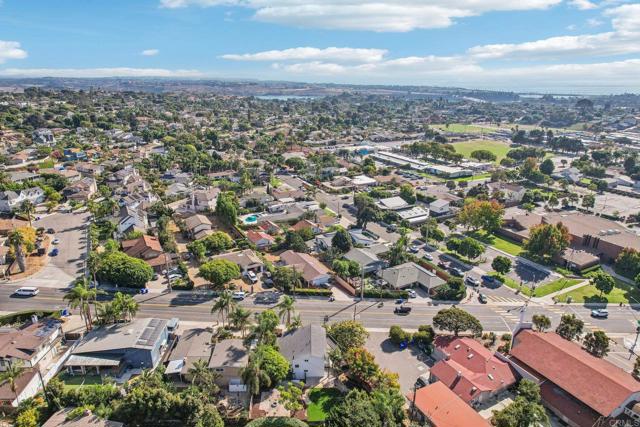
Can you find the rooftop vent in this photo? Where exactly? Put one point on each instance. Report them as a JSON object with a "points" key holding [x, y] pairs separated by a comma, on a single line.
{"points": [[469, 356]]}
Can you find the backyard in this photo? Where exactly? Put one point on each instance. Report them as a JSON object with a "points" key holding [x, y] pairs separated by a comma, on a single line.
{"points": [[76, 381], [321, 400], [621, 293], [498, 148]]}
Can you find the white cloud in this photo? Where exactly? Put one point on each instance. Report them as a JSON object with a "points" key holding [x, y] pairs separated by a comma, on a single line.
{"points": [[338, 54], [11, 50], [583, 4], [97, 72], [150, 52], [594, 22], [367, 15]]}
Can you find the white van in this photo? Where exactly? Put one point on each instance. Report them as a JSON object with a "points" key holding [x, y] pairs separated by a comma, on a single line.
{"points": [[27, 291]]}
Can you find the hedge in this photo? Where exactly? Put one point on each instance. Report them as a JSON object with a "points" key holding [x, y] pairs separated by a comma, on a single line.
{"points": [[277, 422], [313, 292], [385, 293], [24, 316]]}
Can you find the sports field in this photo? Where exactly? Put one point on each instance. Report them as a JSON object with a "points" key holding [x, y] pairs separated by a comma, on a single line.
{"points": [[498, 148]]}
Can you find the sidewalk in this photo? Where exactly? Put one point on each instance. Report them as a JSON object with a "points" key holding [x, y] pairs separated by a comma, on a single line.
{"points": [[548, 299]]}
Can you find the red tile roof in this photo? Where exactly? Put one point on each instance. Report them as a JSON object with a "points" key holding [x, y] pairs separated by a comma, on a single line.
{"points": [[256, 236], [470, 369], [444, 409], [597, 383]]}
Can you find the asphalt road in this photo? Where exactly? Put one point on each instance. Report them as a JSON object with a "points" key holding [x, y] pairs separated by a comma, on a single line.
{"points": [[196, 307]]}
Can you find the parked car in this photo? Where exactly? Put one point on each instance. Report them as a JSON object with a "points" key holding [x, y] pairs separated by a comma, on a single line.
{"points": [[55, 241], [443, 264], [346, 197], [252, 277], [456, 272], [27, 291], [489, 280], [239, 295], [600, 313], [175, 276], [471, 281], [428, 257], [482, 298], [54, 252], [403, 309], [414, 249], [412, 293], [50, 231]]}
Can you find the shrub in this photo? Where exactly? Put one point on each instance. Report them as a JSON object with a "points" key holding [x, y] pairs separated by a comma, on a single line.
{"points": [[385, 294], [319, 292], [397, 335]]}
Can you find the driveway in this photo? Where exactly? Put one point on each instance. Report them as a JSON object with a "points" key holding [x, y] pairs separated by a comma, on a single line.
{"points": [[68, 265]]}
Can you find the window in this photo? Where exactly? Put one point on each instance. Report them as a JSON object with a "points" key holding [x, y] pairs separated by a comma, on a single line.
{"points": [[306, 360], [297, 366], [219, 369]]}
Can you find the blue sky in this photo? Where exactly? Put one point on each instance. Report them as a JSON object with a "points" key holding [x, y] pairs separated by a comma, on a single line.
{"points": [[586, 46]]}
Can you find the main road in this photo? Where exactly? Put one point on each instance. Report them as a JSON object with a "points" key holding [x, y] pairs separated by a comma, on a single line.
{"points": [[195, 306]]}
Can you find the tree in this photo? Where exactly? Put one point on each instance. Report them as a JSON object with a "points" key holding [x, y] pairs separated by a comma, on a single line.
{"points": [[425, 336], [366, 210], [483, 156], [274, 364], [636, 368], [470, 248], [223, 305], [430, 231], [354, 410], [408, 193], [264, 331], [525, 411], [80, 296], [541, 322], [570, 327], [27, 209], [16, 240], [603, 282], [588, 201], [596, 343], [456, 320], [254, 376], [348, 334], [501, 264], [203, 377], [398, 253], [226, 208], [240, 318], [286, 308], [291, 397], [548, 240], [528, 390], [397, 335], [628, 263], [219, 272], [294, 241], [286, 278], [125, 305], [198, 249], [12, 372], [361, 364], [123, 270], [547, 167], [481, 214], [217, 242], [341, 241]]}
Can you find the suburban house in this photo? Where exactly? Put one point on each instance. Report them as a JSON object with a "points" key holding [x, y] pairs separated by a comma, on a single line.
{"points": [[203, 200], [10, 200], [582, 390], [43, 136], [305, 224], [132, 219], [115, 349], [26, 385], [193, 345], [87, 419], [313, 271], [35, 343], [305, 349], [392, 203], [246, 259], [270, 227], [440, 207], [260, 239], [438, 406], [366, 259], [89, 169], [571, 174], [81, 190], [511, 194], [469, 369], [147, 248], [228, 359], [198, 226], [410, 274]]}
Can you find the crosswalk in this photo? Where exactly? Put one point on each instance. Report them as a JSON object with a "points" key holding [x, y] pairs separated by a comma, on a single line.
{"points": [[495, 298]]}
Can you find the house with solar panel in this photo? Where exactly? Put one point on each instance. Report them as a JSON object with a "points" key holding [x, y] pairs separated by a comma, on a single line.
{"points": [[120, 350]]}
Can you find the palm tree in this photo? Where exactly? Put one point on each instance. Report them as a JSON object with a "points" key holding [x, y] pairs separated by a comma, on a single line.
{"points": [[253, 375], [286, 308], [16, 239], [27, 208], [107, 313], [240, 318], [126, 305], [11, 375], [82, 296], [224, 305], [202, 376], [296, 323]]}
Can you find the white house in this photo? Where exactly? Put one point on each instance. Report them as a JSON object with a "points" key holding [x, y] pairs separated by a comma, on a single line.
{"points": [[440, 207], [10, 200], [511, 193], [305, 349], [132, 219]]}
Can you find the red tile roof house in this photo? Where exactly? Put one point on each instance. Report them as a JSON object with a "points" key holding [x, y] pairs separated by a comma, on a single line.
{"points": [[313, 271], [261, 239], [579, 388], [441, 407], [147, 248], [470, 370], [304, 224]]}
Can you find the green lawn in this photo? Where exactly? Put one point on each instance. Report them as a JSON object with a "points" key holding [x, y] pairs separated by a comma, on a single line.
{"points": [[322, 399], [509, 282], [498, 148], [555, 286], [498, 242], [474, 177], [76, 381], [622, 293], [462, 128]]}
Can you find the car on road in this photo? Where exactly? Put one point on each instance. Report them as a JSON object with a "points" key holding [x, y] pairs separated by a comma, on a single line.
{"points": [[428, 257], [238, 295], [471, 281], [345, 197], [175, 276], [50, 231], [489, 280], [252, 277], [403, 309], [482, 298], [412, 293], [600, 313], [400, 301], [54, 252], [55, 241], [455, 271], [27, 291]]}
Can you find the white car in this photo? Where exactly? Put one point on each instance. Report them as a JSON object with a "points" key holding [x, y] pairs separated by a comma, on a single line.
{"points": [[252, 277], [27, 291], [239, 295], [55, 241], [175, 276], [412, 293]]}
